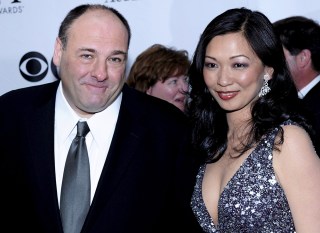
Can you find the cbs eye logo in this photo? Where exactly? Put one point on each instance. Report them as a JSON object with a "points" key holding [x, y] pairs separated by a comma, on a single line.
{"points": [[33, 66]]}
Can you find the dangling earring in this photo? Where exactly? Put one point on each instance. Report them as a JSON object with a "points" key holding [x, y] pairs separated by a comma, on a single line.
{"points": [[265, 87]]}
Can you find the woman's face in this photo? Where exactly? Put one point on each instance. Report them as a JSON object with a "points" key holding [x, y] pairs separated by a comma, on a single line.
{"points": [[173, 90], [232, 72]]}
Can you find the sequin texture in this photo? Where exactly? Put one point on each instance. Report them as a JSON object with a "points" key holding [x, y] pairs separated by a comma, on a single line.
{"points": [[252, 201]]}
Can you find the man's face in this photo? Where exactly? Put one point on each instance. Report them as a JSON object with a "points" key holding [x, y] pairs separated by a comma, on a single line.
{"points": [[92, 65], [292, 64]]}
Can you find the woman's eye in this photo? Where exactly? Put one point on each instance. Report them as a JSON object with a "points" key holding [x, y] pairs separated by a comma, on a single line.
{"points": [[210, 65], [240, 65]]}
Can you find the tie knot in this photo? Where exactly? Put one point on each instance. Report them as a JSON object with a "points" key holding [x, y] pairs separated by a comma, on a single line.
{"points": [[82, 128]]}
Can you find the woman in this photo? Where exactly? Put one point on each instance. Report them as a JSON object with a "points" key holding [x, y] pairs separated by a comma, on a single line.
{"points": [[161, 71], [260, 171]]}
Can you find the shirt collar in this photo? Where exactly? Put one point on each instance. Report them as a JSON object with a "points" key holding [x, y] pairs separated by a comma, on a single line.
{"points": [[65, 117], [100, 123], [304, 91]]}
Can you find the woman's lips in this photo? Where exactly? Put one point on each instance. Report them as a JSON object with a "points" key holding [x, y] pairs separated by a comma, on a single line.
{"points": [[227, 95]]}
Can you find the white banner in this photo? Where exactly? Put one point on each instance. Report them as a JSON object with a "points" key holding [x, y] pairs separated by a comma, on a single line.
{"points": [[29, 28]]}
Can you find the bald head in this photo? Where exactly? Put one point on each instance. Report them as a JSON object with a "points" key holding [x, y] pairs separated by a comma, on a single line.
{"points": [[78, 11]]}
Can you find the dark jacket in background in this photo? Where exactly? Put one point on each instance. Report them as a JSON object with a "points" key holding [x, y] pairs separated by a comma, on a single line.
{"points": [[311, 103]]}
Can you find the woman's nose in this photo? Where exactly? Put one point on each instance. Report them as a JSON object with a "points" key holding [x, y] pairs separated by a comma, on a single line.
{"points": [[183, 85], [224, 78]]}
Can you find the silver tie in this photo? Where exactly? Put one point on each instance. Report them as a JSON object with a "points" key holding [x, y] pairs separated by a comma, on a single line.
{"points": [[75, 190]]}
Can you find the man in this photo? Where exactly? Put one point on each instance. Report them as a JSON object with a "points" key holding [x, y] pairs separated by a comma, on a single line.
{"points": [[300, 37], [141, 169]]}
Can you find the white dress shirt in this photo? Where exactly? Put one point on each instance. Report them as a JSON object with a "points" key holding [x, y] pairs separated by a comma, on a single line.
{"points": [[98, 140], [304, 91]]}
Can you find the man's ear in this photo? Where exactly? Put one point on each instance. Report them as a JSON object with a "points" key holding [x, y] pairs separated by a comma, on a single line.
{"points": [[303, 59], [57, 52]]}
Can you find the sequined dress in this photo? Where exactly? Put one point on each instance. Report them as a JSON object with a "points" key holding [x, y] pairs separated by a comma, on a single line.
{"points": [[252, 201]]}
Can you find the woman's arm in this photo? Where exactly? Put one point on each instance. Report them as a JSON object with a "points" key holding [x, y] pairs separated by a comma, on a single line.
{"points": [[297, 167]]}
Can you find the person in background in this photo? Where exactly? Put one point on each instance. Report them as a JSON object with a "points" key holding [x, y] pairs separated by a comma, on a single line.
{"points": [[141, 166], [300, 37], [161, 71], [259, 170]]}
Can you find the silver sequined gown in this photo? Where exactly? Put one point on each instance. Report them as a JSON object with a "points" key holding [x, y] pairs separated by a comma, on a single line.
{"points": [[252, 201]]}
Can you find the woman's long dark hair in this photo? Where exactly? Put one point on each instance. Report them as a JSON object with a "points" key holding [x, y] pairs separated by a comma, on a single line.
{"points": [[280, 104]]}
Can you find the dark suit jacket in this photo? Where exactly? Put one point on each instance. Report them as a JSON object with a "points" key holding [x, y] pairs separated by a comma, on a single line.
{"points": [[312, 104], [146, 182]]}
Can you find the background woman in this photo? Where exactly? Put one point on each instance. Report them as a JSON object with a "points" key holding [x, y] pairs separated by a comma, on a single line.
{"points": [[161, 71]]}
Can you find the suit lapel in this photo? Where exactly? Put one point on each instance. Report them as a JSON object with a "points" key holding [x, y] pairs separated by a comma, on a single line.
{"points": [[124, 145]]}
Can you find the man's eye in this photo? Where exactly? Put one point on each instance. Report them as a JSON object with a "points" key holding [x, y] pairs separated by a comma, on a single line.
{"points": [[86, 56], [115, 60]]}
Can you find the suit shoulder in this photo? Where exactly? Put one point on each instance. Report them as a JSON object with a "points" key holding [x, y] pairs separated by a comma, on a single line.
{"points": [[27, 93], [25, 98], [152, 107]]}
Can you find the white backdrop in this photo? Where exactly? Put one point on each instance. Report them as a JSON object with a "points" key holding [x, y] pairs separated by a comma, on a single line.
{"points": [[28, 29]]}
